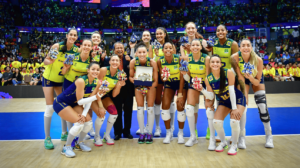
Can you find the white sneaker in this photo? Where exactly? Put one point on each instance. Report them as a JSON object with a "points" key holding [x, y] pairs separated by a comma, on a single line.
{"points": [[98, 141], [221, 147], [108, 140], [168, 138], [269, 141], [242, 140], [212, 144], [191, 141], [157, 132], [92, 132], [87, 137], [138, 132], [180, 138], [232, 150]]}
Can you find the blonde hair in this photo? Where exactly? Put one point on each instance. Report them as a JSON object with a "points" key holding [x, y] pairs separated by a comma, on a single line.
{"points": [[253, 59]]}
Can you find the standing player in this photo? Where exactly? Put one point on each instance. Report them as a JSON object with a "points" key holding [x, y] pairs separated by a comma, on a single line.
{"points": [[172, 84], [143, 60], [162, 37], [198, 67], [231, 100], [245, 55], [53, 81]]}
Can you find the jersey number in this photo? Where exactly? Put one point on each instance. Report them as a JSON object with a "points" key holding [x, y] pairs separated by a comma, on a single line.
{"points": [[223, 64], [225, 97], [60, 73], [173, 79]]}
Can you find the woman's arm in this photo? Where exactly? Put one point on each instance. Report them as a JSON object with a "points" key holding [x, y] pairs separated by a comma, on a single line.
{"points": [[48, 60], [118, 87], [155, 75], [150, 52], [231, 80], [207, 65], [234, 60], [256, 81], [182, 51], [131, 71], [102, 74], [234, 47], [79, 88], [158, 63], [65, 69]]}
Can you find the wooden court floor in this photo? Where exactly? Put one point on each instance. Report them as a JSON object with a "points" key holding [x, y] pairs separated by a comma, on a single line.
{"points": [[128, 153]]}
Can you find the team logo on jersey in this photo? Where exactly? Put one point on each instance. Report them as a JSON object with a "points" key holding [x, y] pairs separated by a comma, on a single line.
{"points": [[148, 63], [175, 59], [108, 72], [239, 100], [201, 67], [228, 43], [95, 81], [75, 49], [87, 81], [202, 59], [175, 67], [115, 82], [136, 62], [162, 61], [210, 78], [77, 57], [93, 88], [226, 51], [240, 59], [190, 59]]}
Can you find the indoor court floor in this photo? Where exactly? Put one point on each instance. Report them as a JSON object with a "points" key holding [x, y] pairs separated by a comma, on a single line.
{"points": [[22, 135]]}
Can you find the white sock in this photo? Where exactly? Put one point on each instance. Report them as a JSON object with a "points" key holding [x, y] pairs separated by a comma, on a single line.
{"points": [[157, 114], [172, 113], [109, 126], [70, 125], [181, 130], [220, 131], [196, 112], [98, 125], [235, 132], [243, 120], [267, 128], [191, 121], [63, 125], [211, 128], [140, 118], [151, 116]]}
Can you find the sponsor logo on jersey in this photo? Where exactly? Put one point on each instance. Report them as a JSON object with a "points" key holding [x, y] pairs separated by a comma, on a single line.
{"points": [[201, 67], [226, 51]]}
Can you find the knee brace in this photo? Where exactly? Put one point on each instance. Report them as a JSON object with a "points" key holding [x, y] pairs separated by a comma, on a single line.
{"points": [[190, 110], [165, 115], [112, 118], [99, 121], [112, 110], [235, 125], [157, 109], [76, 129], [196, 108], [261, 102], [210, 114], [87, 126], [49, 111], [181, 116], [218, 124]]}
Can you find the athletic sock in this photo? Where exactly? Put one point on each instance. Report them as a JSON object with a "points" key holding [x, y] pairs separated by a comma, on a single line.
{"points": [[172, 113], [98, 125], [70, 125], [150, 112], [157, 114], [47, 125], [63, 125], [70, 139], [140, 118]]}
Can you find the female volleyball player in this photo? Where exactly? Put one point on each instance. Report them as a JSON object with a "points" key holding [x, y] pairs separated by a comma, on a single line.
{"points": [[68, 106], [162, 37], [53, 80], [198, 67], [141, 59], [245, 55], [110, 74], [221, 82], [171, 85]]}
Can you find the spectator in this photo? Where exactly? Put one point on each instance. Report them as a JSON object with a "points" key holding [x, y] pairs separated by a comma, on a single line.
{"points": [[16, 64], [288, 73], [275, 72], [278, 59], [285, 58], [272, 62], [3, 65], [267, 73], [24, 71], [278, 48], [295, 35], [7, 77], [17, 78], [36, 78]]}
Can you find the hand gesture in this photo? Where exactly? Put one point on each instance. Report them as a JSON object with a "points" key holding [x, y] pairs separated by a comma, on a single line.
{"points": [[81, 119], [132, 45], [121, 83], [180, 101], [102, 112], [156, 51], [127, 58], [236, 114]]}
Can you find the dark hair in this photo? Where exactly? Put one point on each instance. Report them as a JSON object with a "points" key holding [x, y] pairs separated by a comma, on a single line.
{"points": [[139, 45], [203, 50], [90, 54], [92, 63], [64, 48], [34, 62], [167, 39], [118, 42], [197, 35], [222, 76], [223, 26]]}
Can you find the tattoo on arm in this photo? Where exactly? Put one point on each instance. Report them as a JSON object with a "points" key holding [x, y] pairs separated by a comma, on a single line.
{"points": [[234, 64]]}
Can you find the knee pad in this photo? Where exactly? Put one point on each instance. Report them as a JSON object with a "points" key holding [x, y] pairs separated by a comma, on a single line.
{"points": [[181, 117], [218, 124], [99, 121], [261, 102], [210, 114], [165, 115], [76, 129], [112, 118], [87, 126], [49, 111], [190, 110], [157, 109], [112, 110], [235, 125], [196, 108]]}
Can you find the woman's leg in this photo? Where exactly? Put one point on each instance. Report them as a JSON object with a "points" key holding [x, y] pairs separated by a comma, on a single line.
{"points": [[210, 116], [14, 82], [98, 124], [31, 83], [159, 90], [64, 134], [181, 117], [165, 113], [150, 113], [111, 108], [48, 92], [140, 114]]}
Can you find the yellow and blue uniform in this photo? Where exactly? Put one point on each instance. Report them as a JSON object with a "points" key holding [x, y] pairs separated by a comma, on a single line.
{"points": [[224, 51], [160, 53], [197, 69], [52, 75], [174, 79], [112, 80], [68, 96], [241, 65], [224, 98], [79, 68]]}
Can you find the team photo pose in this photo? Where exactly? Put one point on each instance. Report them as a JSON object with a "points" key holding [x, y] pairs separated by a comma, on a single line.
{"points": [[162, 37], [198, 67], [68, 105], [172, 84], [53, 80], [109, 74], [221, 82], [247, 55], [141, 59]]}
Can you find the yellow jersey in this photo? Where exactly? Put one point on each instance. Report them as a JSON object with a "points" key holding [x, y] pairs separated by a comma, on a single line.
{"points": [[16, 64], [3, 67], [197, 68], [53, 71], [282, 71], [224, 51], [112, 80], [160, 54], [78, 68], [173, 67]]}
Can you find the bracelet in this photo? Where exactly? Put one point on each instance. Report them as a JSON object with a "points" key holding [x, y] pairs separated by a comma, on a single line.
{"points": [[179, 95]]}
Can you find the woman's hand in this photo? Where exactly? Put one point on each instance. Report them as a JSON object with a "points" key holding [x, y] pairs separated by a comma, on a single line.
{"points": [[180, 101], [81, 119], [121, 83], [236, 114], [209, 104], [156, 51], [248, 76], [102, 112], [187, 47], [127, 58], [132, 45], [67, 66]]}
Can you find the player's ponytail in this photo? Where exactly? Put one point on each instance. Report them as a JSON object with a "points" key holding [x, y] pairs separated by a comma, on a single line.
{"points": [[64, 48]]}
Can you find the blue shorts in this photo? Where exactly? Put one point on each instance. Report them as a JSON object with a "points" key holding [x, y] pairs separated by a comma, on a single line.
{"points": [[240, 100], [109, 94], [175, 85], [48, 83], [247, 81], [66, 84], [60, 103]]}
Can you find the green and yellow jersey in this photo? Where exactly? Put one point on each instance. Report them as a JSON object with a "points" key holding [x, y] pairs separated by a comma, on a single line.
{"points": [[53, 71], [215, 85], [78, 68], [112, 80], [197, 68], [173, 66], [160, 54], [224, 51]]}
